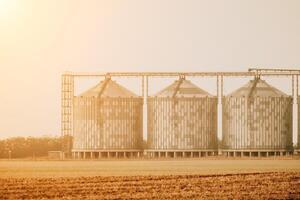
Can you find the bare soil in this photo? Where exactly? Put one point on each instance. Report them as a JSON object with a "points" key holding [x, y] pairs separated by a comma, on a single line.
{"points": [[267, 185]]}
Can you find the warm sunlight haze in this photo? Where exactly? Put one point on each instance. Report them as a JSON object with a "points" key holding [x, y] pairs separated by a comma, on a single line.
{"points": [[149, 99]]}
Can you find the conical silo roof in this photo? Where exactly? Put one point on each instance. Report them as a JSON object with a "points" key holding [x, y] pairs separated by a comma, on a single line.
{"points": [[182, 88], [257, 88], [108, 88]]}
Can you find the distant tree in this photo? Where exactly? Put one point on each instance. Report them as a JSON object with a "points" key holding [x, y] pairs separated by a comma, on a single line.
{"points": [[22, 147]]}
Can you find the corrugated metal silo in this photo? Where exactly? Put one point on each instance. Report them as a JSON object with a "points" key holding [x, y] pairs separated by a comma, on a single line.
{"points": [[182, 117], [257, 117], [107, 117]]}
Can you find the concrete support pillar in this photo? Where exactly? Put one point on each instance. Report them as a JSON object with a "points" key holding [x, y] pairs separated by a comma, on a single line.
{"points": [[192, 154], [99, 157], [84, 155], [183, 154], [92, 155], [234, 154], [250, 154]]}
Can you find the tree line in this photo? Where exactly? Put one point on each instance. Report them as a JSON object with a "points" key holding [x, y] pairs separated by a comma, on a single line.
{"points": [[29, 147]]}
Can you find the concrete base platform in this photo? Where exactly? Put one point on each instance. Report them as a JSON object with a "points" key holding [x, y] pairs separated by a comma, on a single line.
{"points": [[104, 154], [179, 153], [255, 153]]}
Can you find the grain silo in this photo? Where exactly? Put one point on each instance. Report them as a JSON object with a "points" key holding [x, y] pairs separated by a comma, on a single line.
{"points": [[107, 122], [257, 120], [182, 121]]}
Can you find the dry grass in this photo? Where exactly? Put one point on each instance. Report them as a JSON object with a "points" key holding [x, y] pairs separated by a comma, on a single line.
{"points": [[141, 167]]}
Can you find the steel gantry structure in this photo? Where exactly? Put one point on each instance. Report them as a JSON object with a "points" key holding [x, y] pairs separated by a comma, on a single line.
{"points": [[68, 78]]}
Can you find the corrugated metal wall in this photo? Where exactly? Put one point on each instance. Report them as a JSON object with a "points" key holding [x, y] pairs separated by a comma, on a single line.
{"points": [[182, 123], [257, 123], [108, 123]]}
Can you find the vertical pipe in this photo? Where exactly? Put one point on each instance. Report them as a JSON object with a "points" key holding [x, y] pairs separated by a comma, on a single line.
{"points": [[219, 110], [297, 112], [145, 109], [295, 109]]}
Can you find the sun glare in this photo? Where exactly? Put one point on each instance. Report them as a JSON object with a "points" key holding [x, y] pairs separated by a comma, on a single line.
{"points": [[7, 7]]}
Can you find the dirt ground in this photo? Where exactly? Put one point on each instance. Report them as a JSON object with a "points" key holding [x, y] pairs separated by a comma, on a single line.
{"points": [[151, 179], [269, 185], [40, 169]]}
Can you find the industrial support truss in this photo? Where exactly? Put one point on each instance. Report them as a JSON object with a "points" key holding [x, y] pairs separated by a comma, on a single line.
{"points": [[67, 87]]}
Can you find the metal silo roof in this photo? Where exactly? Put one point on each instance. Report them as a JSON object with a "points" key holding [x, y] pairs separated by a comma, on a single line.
{"points": [[182, 88], [257, 88], [108, 88]]}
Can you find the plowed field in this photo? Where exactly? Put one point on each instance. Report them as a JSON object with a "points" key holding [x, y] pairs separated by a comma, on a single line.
{"points": [[270, 185]]}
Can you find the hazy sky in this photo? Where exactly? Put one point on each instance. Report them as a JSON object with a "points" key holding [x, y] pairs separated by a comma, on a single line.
{"points": [[40, 39]]}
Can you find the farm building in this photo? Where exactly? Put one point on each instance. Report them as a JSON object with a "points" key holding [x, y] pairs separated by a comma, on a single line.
{"points": [[182, 121], [107, 122], [257, 119]]}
